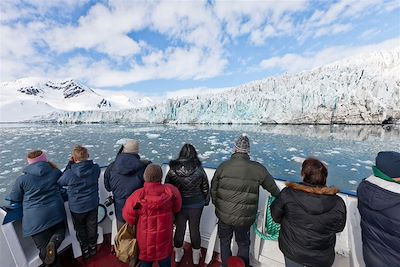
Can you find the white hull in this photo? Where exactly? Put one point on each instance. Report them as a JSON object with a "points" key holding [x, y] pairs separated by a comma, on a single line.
{"points": [[18, 251]]}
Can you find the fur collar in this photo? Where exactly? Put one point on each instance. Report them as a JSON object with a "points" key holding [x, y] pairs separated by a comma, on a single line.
{"points": [[313, 190]]}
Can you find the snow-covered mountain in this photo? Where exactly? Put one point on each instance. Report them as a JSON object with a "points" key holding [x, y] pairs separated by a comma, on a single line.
{"points": [[364, 89], [29, 98]]}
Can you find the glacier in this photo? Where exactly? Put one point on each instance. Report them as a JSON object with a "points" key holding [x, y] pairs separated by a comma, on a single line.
{"points": [[364, 89]]}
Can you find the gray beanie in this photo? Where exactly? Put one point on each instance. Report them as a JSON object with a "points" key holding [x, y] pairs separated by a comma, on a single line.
{"points": [[131, 146], [153, 173], [242, 144]]}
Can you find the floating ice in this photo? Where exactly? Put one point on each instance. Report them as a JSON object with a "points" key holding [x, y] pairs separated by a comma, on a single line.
{"points": [[154, 151], [353, 182], [5, 172], [291, 149], [354, 170], [298, 159], [368, 162], [152, 136]]}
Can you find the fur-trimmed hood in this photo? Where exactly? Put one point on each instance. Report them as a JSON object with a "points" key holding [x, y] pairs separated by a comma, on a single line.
{"points": [[330, 191], [314, 200]]}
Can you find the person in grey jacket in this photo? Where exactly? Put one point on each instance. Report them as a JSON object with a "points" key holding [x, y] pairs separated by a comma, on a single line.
{"points": [[43, 207], [81, 178], [235, 192]]}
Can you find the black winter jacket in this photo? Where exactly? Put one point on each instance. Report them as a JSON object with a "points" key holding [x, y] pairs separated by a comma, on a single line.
{"points": [[191, 180], [379, 206], [123, 177], [310, 217]]}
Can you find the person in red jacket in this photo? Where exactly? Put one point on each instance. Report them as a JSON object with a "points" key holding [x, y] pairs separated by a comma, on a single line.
{"points": [[152, 209]]}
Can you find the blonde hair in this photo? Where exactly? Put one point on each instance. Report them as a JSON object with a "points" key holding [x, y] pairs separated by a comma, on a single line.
{"points": [[80, 153]]}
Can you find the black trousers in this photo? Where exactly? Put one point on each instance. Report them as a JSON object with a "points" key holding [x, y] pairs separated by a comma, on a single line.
{"points": [[193, 215], [55, 234], [85, 225], [242, 237]]}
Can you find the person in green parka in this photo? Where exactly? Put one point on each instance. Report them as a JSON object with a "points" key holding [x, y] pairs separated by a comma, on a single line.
{"points": [[235, 192]]}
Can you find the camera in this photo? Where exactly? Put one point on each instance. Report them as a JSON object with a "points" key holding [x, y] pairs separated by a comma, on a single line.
{"points": [[109, 201]]}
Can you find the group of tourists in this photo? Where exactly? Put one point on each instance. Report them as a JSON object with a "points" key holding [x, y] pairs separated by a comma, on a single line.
{"points": [[310, 213]]}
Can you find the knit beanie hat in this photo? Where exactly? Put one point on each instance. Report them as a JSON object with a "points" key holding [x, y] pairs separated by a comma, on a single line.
{"points": [[131, 146], [153, 173], [388, 162], [242, 144], [41, 157]]}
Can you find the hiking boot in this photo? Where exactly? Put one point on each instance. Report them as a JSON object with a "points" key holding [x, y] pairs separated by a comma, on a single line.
{"points": [[93, 250], [179, 254], [50, 253], [85, 254]]}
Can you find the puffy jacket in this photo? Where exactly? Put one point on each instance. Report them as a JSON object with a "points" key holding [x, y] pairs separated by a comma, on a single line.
{"points": [[123, 177], [191, 180], [152, 209], [379, 206], [41, 199], [310, 217], [82, 180], [235, 189]]}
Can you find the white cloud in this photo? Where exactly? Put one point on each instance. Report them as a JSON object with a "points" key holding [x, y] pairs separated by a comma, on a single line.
{"points": [[333, 29], [368, 34], [293, 63]]}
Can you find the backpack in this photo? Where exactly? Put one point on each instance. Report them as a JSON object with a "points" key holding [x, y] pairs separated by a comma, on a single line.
{"points": [[126, 248]]}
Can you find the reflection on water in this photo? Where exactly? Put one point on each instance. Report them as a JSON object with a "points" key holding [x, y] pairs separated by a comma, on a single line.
{"points": [[349, 151]]}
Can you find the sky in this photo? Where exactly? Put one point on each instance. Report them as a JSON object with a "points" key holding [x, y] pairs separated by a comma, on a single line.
{"points": [[183, 47]]}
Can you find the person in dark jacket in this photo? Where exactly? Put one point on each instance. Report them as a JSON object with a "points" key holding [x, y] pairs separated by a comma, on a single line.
{"points": [[235, 192], [187, 174], [42, 204], [152, 210], [310, 215], [81, 178], [379, 206], [124, 176]]}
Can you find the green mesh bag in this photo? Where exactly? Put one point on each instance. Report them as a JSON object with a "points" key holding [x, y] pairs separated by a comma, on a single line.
{"points": [[271, 228]]}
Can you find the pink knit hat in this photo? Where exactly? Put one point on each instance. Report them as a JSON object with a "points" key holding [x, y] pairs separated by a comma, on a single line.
{"points": [[40, 158]]}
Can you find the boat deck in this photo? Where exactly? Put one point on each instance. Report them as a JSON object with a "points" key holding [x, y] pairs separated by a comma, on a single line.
{"points": [[104, 258]]}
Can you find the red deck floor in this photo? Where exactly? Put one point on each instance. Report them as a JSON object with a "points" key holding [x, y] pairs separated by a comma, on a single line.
{"points": [[104, 258]]}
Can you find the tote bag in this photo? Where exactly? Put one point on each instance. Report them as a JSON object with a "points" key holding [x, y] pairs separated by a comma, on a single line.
{"points": [[126, 248]]}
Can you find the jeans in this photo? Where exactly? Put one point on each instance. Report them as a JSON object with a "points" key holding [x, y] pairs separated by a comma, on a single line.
{"points": [[193, 215], [55, 234], [161, 263], [85, 225], [242, 237], [290, 263]]}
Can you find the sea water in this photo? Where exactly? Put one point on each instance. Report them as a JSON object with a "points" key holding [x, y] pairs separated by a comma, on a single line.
{"points": [[348, 151]]}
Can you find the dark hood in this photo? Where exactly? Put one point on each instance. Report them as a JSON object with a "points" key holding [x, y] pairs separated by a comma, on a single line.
{"points": [[83, 169], [128, 164], [373, 197], [184, 167], [38, 169], [314, 200]]}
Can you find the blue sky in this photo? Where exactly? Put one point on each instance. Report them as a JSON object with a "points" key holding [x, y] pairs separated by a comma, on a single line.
{"points": [[161, 47]]}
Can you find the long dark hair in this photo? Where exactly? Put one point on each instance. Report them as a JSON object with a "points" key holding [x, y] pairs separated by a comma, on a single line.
{"points": [[314, 172], [188, 152]]}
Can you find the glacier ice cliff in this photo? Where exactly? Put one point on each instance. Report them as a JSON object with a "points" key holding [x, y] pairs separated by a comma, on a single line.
{"points": [[361, 90]]}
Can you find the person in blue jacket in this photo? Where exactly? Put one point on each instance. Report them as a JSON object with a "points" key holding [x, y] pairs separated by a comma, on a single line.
{"points": [[82, 180], [379, 206], [42, 204], [125, 175]]}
